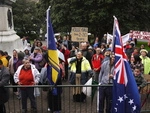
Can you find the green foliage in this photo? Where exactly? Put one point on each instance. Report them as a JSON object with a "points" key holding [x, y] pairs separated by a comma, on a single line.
{"points": [[139, 43], [26, 18], [97, 15]]}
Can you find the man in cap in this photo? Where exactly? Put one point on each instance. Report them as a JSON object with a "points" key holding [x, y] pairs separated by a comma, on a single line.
{"points": [[107, 54]]}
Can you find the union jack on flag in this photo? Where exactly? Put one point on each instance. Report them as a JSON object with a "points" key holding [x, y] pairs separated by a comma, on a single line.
{"points": [[126, 97]]}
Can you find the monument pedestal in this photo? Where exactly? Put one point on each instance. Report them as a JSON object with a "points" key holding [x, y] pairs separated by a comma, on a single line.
{"points": [[8, 38], [10, 41]]}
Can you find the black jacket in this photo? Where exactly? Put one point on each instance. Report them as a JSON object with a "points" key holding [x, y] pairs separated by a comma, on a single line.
{"points": [[4, 79]]}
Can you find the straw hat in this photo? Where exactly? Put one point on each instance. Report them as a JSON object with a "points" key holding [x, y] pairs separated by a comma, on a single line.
{"points": [[144, 50]]}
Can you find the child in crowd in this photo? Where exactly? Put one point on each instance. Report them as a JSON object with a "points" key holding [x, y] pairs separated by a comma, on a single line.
{"points": [[141, 82]]}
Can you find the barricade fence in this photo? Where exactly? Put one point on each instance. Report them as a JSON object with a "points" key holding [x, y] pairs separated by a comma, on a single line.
{"points": [[67, 103]]}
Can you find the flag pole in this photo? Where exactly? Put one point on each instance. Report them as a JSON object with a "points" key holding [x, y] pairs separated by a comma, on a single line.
{"points": [[113, 45]]}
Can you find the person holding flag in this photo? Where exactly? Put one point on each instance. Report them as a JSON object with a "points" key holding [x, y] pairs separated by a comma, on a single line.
{"points": [[106, 78], [126, 98], [53, 69]]}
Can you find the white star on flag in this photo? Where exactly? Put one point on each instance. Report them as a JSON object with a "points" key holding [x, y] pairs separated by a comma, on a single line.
{"points": [[125, 96], [130, 101], [115, 109], [134, 108], [120, 99]]}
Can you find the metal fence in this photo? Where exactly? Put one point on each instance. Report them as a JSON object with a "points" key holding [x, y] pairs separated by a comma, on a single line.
{"points": [[68, 105]]}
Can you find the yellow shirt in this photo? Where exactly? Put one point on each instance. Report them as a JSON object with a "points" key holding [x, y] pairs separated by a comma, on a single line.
{"points": [[4, 60]]}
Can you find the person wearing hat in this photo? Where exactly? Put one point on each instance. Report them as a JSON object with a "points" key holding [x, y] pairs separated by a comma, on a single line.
{"points": [[106, 55], [145, 61], [90, 54]]}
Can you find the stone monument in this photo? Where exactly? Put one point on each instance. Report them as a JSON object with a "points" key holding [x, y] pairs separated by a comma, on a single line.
{"points": [[8, 38]]}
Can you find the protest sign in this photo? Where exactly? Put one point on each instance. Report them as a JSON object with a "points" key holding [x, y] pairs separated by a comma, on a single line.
{"points": [[79, 34], [140, 35]]}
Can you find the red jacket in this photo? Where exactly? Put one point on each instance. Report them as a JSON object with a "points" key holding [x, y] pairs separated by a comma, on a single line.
{"points": [[66, 54], [96, 61]]}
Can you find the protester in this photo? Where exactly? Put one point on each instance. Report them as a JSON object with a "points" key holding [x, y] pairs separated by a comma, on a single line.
{"points": [[34, 45], [103, 48], [141, 82], [27, 53], [39, 44], [90, 54], [107, 55], [12, 69], [66, 53], [66, 41], [3, 58], [129, 50], [24, 42], [85, 52], [4, 79], [136, 51], [73, 51], [28, 47], [104, 39], [80, 69], [96, 43], [27, 74], [105, 78], [96, 63], [36, 57], [136, 61], [84, 49], [145, 60], [142, 47], [54, 99], [8, 57]]}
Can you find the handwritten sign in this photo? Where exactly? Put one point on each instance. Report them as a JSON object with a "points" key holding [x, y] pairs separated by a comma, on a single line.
{"points": [[79, 34]]}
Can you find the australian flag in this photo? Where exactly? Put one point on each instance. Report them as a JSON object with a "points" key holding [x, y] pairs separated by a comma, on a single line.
{"points": [[126, 98]]}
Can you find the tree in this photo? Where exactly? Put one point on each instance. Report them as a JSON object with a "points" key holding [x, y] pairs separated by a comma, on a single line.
{"points": [[97, 15], [26, 18]]}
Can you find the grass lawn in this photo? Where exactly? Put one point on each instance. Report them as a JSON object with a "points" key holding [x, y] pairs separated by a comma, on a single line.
{"points": [[139, 43]]}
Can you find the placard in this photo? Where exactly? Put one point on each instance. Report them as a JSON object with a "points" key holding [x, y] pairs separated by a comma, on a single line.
{"points": [[79, 34], [140, 34]]}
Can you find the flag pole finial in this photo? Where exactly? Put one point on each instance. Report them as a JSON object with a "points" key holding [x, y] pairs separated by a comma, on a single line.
{"points": [[114, 17], [49, 7]]}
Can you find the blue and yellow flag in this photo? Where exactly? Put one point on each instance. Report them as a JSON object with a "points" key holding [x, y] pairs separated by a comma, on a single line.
{"points": [[52, 52]]}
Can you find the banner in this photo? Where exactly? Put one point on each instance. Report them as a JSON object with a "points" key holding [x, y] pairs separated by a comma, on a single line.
{"points": [[125, 38], [140, 34], [79, 34]]}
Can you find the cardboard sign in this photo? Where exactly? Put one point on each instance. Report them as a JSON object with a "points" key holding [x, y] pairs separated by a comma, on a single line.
{"points": [[79, 34]]}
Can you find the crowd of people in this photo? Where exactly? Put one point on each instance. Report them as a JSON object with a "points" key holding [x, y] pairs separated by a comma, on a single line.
{"points": [[82, 60]]}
